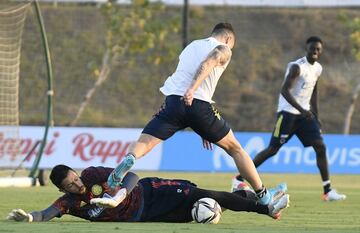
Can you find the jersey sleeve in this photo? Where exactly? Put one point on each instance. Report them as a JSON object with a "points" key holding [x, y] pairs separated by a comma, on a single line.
{"points": [[63, 204], [95, 175], [46, 214]]}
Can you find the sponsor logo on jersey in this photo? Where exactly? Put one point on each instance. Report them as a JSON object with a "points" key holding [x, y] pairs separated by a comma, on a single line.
{"points": [[96, 189], [97, 210], [93, 213]]}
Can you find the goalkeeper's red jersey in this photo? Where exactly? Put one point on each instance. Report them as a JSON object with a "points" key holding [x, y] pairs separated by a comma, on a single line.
{"points": [[95, 180]]}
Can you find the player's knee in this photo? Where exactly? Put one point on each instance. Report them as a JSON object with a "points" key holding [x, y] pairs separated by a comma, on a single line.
{"points": [[236, 148], [319, 146], [231, 146]]}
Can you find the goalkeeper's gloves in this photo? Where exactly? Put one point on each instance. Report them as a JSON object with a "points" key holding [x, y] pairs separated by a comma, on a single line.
{"points": [[20, 215], [108, 201]]}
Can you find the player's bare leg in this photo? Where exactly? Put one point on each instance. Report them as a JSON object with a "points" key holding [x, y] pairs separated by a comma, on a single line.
{"points": [[143, 145], [238, 181], [264, 155], [245, 165], [330, 194]]}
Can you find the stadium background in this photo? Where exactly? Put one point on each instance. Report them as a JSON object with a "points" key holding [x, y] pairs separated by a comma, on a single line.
{"points": [[247, 96]]}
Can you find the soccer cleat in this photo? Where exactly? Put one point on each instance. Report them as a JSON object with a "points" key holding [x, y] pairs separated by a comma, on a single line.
{"points": [[282, 187], [116, 176], [237, 185], [333, 196], [279, 202]]}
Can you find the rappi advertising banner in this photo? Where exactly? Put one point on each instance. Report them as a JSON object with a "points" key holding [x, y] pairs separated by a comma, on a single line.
{"points": [[83, 147], [78, 148], [184, 151]]}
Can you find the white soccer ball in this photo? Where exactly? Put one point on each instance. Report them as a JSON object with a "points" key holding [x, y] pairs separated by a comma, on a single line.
{"points": [[206, 210]]}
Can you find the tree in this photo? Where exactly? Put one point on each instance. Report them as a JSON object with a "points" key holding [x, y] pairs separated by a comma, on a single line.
{"points": [[131, 30], [354, 26]]}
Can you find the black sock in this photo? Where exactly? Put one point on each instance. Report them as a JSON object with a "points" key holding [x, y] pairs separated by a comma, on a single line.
{"points": [[261, 192], [327, 188], [240, 178]]}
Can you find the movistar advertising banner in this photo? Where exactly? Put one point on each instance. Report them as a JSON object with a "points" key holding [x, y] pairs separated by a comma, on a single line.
{"points": [[184, 151]]}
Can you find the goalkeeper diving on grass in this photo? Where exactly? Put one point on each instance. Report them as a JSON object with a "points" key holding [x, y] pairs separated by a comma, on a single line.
{"points": [[150, 199]]}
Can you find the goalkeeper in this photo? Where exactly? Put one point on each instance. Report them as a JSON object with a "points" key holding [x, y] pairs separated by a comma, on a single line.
{"points": [[149, 199]]}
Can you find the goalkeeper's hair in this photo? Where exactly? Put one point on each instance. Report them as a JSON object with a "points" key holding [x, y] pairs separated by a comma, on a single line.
{"points": [[59, 173]]}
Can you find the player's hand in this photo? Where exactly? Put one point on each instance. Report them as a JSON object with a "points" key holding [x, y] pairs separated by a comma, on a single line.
{"points": [[188, 97], [19, 215], [308, 114], [207, 145], [108, 201]]}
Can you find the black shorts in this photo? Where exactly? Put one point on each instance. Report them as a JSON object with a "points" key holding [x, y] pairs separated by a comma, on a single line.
{"points": [[166, 200], [288, 124], [174, 115]]}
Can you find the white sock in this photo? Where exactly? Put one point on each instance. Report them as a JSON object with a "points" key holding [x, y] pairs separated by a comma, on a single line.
{"points": [[326, 182]]}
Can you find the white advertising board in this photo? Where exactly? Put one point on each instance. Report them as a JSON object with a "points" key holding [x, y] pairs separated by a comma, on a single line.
{"points": [[78, 148]]}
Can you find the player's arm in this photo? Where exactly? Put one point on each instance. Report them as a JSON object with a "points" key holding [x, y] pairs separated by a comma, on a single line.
{"points": [[314, 100], [219, 56], [20, 215], [293, 74], [128, 184]]}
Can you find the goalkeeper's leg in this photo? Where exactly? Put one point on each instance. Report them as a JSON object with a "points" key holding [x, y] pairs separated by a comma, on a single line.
{"points": [[237, 201]]}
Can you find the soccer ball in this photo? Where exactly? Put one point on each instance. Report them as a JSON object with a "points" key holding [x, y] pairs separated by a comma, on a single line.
{"points": [[206, 210]]}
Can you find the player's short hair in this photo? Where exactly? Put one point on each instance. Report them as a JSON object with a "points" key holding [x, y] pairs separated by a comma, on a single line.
{"points": [[59, 173], [312, 39], [221, 28]]}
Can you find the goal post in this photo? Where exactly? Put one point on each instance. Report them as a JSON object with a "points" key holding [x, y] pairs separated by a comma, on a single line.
{"points": [[50, 91], [12, 21]]}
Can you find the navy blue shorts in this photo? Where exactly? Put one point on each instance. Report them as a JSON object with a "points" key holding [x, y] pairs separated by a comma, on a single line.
{"points": [[174, 115], [288, 124], [167, 200]]}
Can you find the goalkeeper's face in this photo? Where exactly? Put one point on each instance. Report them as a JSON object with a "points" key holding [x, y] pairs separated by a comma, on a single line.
{"points": [[73, 184]]}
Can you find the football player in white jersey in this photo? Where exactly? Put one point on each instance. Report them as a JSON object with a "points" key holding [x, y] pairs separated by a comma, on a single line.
{"points": [[188, 103], [298, 115]]}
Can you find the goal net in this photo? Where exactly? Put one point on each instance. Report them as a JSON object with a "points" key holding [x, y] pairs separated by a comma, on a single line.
{"points": [[11, 27]]}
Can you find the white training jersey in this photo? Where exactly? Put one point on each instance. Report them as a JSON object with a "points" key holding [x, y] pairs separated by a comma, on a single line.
{"points": [[303, 86], [189, 62]]}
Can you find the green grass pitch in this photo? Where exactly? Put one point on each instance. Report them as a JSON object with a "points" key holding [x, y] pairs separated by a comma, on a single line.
{"points": [[307, 213]]}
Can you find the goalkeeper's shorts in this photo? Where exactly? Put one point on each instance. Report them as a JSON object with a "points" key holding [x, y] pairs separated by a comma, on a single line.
{"points": [[166, 200]]}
